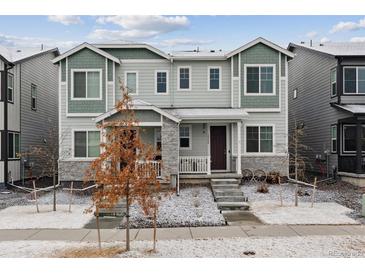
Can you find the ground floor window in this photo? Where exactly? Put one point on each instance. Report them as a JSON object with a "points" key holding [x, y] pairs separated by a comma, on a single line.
{"points": [[334, 138], [349, 138], [86, 144], [13, 145], [185, 137], [259, 139]]}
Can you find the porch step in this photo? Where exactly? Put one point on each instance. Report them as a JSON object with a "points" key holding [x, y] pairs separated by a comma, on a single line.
{"points": [[224, 181], [231, 199], [233, 205], [228, 192], [224, 186]]}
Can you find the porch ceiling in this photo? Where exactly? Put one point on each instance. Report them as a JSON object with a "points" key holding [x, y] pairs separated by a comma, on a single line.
{"points": [[209, 113]]}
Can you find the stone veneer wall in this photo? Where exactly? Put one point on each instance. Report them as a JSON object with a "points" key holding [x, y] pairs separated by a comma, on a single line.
{"points": [[170, 147], [267, 163], [72, 170]]}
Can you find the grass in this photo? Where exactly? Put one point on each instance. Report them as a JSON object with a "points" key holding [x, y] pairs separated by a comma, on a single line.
{"points": [[91, 252]]}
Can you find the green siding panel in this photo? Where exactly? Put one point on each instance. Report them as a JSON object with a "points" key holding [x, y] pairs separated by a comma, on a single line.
{"points": [[282, 65], [235, 65], [63, 70], [86, 59], [134, 53], [141, 116], [260, 54], [110, 70]]}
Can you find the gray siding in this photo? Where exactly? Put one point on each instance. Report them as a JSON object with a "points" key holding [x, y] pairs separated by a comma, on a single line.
{"points": [[309, 73]]}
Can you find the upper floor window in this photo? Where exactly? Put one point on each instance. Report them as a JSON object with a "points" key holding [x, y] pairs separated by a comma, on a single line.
{"points": [[10, 88], [86, 84], [161, 82], [131, 82], [214, 78], [33, 97], [260, 79], [185, 137], [86, 144], [333, 82], [354, 80], [13, 145], [184, 78], [259, 139]]}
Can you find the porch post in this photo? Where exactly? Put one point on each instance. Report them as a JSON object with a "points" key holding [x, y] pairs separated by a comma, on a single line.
{"points": [[239, 124], [358, 147]]}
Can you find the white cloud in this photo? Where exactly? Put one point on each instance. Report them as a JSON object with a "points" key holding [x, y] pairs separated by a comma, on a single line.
{"points": [[357, 39], [349, 25], [21, 42], [184, 42], [324, 40], [311, 34], [138, 26], [65, 19]]}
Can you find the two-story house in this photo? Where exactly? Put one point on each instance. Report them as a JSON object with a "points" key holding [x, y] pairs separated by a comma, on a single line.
{"points": [[28, 107], [327, 87], [211, 113]]}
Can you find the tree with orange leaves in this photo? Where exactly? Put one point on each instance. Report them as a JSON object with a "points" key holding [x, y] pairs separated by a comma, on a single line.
{"points": [[125, 168]]}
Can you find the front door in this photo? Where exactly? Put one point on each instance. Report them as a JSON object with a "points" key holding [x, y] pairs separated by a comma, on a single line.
{"points": [[218, 148]]}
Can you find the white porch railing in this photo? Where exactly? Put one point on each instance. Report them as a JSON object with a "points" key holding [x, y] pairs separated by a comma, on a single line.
{"points": [[155, 164], [194, 164]]}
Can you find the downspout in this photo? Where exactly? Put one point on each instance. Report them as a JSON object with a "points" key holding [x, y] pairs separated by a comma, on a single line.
{"points": [[172, 102], [178, 165]]}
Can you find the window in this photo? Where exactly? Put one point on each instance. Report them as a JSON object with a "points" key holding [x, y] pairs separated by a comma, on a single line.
{"points": [[86, 84], [214, 78], [161, 82], [259, 139], [295, 93], [131, 82], [333, 82], [354, 80], [33, 97], [334, 138], [13, 145], [185, 137], [260, 79], [86, 144], [184, 78], [349, 138], [11, 88]]}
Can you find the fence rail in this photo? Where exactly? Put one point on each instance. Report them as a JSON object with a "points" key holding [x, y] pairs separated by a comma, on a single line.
{"points": [[194, 164]]}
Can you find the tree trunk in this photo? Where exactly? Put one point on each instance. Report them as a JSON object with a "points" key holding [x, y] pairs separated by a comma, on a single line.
{"points": [[35, 196], [54, 190], [154, 228], [127, 238], [98, 227]]}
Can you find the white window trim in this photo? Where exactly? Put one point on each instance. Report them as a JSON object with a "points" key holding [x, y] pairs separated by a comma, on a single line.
{"points": [[10, 75], [357, 80], [178, 78], [220, 78], [137, 77], [167, 82], [86, 71], [190, 138], [245, 153], [343, 138], [245, 79], [87, 143], [14, 153], [31, 97], [334, 150], [333, 82]]}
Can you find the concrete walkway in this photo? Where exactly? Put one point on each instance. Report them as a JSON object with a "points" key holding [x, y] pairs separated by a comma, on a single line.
{"points": [[109, 235]]}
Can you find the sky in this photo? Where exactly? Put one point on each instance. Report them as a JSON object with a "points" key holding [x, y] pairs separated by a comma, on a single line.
{"points": [[171, 33]]}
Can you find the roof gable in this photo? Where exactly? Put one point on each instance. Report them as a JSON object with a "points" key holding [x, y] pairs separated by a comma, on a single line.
{"points": [[257, 41], [90, 47]]}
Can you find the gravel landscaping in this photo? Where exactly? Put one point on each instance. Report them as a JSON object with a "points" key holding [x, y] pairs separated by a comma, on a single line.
{"points": [[279, 247], [342, 193], [194, 207]]}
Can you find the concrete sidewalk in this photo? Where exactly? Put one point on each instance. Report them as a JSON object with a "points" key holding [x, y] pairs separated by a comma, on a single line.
{"points": [[109, 235]]}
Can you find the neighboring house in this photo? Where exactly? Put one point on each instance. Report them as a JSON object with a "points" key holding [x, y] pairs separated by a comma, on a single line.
{"points": [[326, 93], [28, 107], [211, 113]]}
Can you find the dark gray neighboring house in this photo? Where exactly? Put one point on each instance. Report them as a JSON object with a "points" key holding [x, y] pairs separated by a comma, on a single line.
{"points": [[327, 94], [28, 106]]}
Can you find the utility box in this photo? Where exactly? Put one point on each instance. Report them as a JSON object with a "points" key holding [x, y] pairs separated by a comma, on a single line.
{"points": [[363, 205]]}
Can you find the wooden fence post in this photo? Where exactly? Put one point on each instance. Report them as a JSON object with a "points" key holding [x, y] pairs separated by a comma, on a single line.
{"points": [[314, 190], [296, 195], [71, 192], [281, 191], [35, 196]]}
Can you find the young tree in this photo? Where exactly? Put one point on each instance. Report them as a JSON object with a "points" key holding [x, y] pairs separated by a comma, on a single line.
{"points": [[125, 167]]}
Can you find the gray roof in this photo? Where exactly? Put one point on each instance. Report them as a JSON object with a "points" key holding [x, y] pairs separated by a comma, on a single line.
{"points": [[355, 109], [336, 48], [17, 55], [209, 113], [198, 54]]}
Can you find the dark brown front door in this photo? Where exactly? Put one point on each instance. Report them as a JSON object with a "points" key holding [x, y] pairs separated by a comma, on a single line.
{"points": [[218, 147]]}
